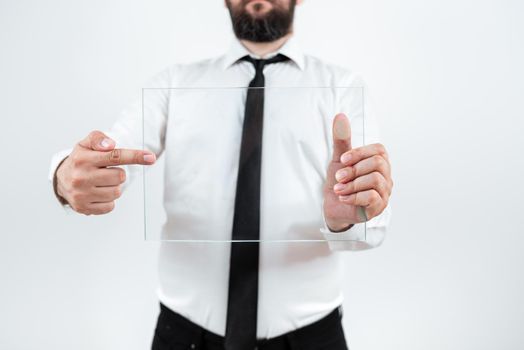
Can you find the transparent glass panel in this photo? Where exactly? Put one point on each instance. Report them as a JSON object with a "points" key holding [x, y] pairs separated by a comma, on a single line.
{"points": [[189, 194]]}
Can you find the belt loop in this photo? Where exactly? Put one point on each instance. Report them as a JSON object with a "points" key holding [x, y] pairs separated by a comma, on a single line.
{"points": [[199, 341], [292, 341]]}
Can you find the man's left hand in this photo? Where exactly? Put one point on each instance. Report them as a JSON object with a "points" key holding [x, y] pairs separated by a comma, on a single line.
{"points": [[358, 183]]}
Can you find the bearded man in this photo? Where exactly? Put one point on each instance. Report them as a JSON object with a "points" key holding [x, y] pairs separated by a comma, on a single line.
{"points": [[245, 294]]}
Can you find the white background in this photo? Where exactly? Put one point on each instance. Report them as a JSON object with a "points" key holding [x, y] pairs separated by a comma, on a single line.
{"points": [[447, 81]]}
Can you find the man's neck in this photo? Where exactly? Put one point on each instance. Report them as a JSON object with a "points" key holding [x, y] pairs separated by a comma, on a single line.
{"points": [[262, 49]]}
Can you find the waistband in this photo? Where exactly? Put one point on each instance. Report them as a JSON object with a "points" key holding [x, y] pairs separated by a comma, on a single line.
{"points": [[321, 328]]}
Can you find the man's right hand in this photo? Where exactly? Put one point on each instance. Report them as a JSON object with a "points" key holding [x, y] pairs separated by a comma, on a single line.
{"points": [[89, 179]]}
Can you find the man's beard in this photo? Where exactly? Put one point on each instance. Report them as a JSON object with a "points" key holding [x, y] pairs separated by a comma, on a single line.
{"points": [[268, 27]]}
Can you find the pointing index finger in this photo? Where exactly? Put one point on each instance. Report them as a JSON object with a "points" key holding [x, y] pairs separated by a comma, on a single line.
{"points": [[121, 156]]}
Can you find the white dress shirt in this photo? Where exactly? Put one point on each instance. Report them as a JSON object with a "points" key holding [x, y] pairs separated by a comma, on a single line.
{"points": [[299, 283]]}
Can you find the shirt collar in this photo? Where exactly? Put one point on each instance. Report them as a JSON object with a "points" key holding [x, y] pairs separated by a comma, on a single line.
{"points": [[289, 49]]}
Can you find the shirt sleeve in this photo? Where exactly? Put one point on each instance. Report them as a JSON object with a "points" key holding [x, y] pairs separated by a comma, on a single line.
{"points": [[140, 126], [358, 106], [56, 160], [360, 236]]}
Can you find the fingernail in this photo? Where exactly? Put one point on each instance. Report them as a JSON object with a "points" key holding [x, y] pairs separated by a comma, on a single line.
{"points": [[339, 187], [341, 174], [149, 158], [106, 143], [346, 157]]}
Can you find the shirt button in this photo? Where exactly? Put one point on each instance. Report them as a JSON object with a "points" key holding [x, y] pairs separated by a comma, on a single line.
{"points": [[193, 346]]}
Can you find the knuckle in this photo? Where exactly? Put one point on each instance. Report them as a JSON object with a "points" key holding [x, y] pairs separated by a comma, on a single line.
{"points": [[115, 156], [380, 148], [79, 208], [379, 161], [352, 170], [136, 158], [372, 212], [357, 197], [382, 187], [107, 208], [379, 208], [388, 186], [77, 181], [77, 198], [375, 197], [379, 181], [77, 159], [376, 179]]}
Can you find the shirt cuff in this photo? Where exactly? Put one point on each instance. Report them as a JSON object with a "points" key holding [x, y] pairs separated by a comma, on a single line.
{"points": [[55, 162], [361, 236]]}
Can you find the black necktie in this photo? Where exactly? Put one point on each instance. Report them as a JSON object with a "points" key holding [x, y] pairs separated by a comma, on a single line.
{"points": [[241, 324]]}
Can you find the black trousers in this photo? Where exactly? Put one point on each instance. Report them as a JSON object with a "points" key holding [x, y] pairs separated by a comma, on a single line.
{"points": [[175, 332]]}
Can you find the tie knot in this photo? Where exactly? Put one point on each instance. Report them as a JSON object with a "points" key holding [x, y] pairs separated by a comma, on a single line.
{"points": [[260, 64]]}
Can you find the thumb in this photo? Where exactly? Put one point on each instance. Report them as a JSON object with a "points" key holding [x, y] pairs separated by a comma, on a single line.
{"points": [[98, 141], [341, 136]]}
